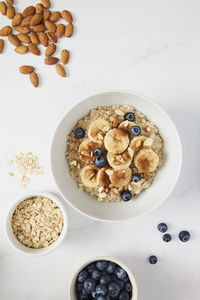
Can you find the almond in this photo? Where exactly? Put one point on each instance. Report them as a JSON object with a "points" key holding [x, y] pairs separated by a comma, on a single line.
{"points": [[21, 49], [13, 39], [17, 20], [47, 14], [10, 2], [34, 38], [60, 70], [65, 56], [60, 30], [50, 26], [1, 45], [5, 31], [39, 28], [51, 60], [67, 16], [10, 12], [29, 11], [23, 29], [3, 8], [50, 50], [56, 15], [23, 38], [36, 19], [69, 30], [52, 37], [26, 21], [34, 79], [34, 49], [46, 3], [39, 8], [43, 39], [26, 69]]}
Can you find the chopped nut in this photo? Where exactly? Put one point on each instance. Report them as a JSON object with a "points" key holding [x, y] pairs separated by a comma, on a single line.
{"points": [[73, 163]]}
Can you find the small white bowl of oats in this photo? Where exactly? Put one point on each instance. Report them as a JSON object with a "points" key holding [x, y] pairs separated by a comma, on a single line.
{"points": [[36, 224]]}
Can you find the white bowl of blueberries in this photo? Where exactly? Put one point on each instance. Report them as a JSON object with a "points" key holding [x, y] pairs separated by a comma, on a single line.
{"points": [[103, 278]]}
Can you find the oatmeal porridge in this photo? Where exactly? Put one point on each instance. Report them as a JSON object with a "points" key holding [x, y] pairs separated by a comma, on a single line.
{"points": [[114, 153]]}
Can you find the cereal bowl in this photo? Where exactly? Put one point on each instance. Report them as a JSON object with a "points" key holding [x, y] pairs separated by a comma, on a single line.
{"points": [[47, 248], [163, 183], [114, 260]]}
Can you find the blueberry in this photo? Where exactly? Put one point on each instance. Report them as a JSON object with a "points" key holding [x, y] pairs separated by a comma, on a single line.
{"points": [[79, 133], [120, 273], [126, 195], [91, 268], [167, 237], [84, 295], [100, 298], [153, 259], [124, 296], [96, 275], [82, 276], [79, 287], [111, 268], [89, 285], [162, 227], [135, 130], [120, 284], [129, 116], [98, 151], [101, 290], [136, 177], [114, 278], [105, 279], [100, 161], [128, 287], [184, 236], [113, 289], [101, 265]]}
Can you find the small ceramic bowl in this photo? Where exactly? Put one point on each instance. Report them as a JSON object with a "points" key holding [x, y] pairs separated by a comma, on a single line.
{"points": [[130, 274], [19, 246]]}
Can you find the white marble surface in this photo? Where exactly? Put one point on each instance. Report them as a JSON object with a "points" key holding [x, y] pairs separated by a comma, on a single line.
{"points": [[148, 46]]}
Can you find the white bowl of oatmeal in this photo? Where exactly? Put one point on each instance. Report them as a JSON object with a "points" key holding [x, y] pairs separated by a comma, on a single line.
{"points": [[36, 224], [139, 160]]}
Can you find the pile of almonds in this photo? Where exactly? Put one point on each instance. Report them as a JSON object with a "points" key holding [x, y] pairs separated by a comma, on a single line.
{"points": [[37, 25]]}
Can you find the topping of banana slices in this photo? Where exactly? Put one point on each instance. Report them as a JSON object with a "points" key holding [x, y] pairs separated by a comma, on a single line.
{"points": [[89, 176], [146, 161], [126, 126], [86, 150], [140, 142], [103, 178], [97, 130], [119, 178], [120, 161], [116, 141]]}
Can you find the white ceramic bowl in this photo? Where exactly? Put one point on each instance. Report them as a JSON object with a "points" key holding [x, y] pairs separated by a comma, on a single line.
{"points": [[14, 241], [130, 274], [149, 199]]}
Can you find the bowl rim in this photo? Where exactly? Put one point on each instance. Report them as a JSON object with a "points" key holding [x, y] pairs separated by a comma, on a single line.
{"points": [[40, 251], [147, 99], [108, 258]]}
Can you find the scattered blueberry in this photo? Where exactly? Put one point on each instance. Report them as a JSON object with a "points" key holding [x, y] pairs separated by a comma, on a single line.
{"points": [[129, 116], [82, 276], [120, 284], [101, 290], [79, 287], [96, 274], [91, 268], [113, 289], [79, 133], [184, 236], [89, 285], [128, 287], [120, 273], [105, 279], [167, 237], [126, 195], [153, 259], [100, 161], [111, 268], [162, 227], [114, 278], [135, 130], [124, 296], [136, 177], [98, 151]]}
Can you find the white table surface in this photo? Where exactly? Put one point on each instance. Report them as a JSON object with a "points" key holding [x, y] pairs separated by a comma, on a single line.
{"points": [[147, 46]]}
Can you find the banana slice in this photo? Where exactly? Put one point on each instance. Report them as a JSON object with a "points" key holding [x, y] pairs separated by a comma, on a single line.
{"points": [[126, 126], [103, 178], [89, 176], [86, 150], [146, 161], [116, 141], [120, 161], [119, 178], [140, 142], [97, 130]]}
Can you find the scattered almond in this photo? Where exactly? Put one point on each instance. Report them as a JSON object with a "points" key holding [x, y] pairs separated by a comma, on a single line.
{"points": [[60, 70], [39, 28], [60, 30], [52, 37], [10, 12], [28, 11], [36, 19], [23, 38], [115, 122], [39, 8], [50, 50], [13, 39], [51, 60], [47, 14], [17, 20], [5, 31], [21, 49], [34, 38], [65, 56], [34, 49], [23, 29], [43, 39], [10, 2], [56, 15], [50, 26], [3, 8], [46, 3], [67, 16], [69, 30], [34, 79], [26, 69], [1, 45], [27, 21]]}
